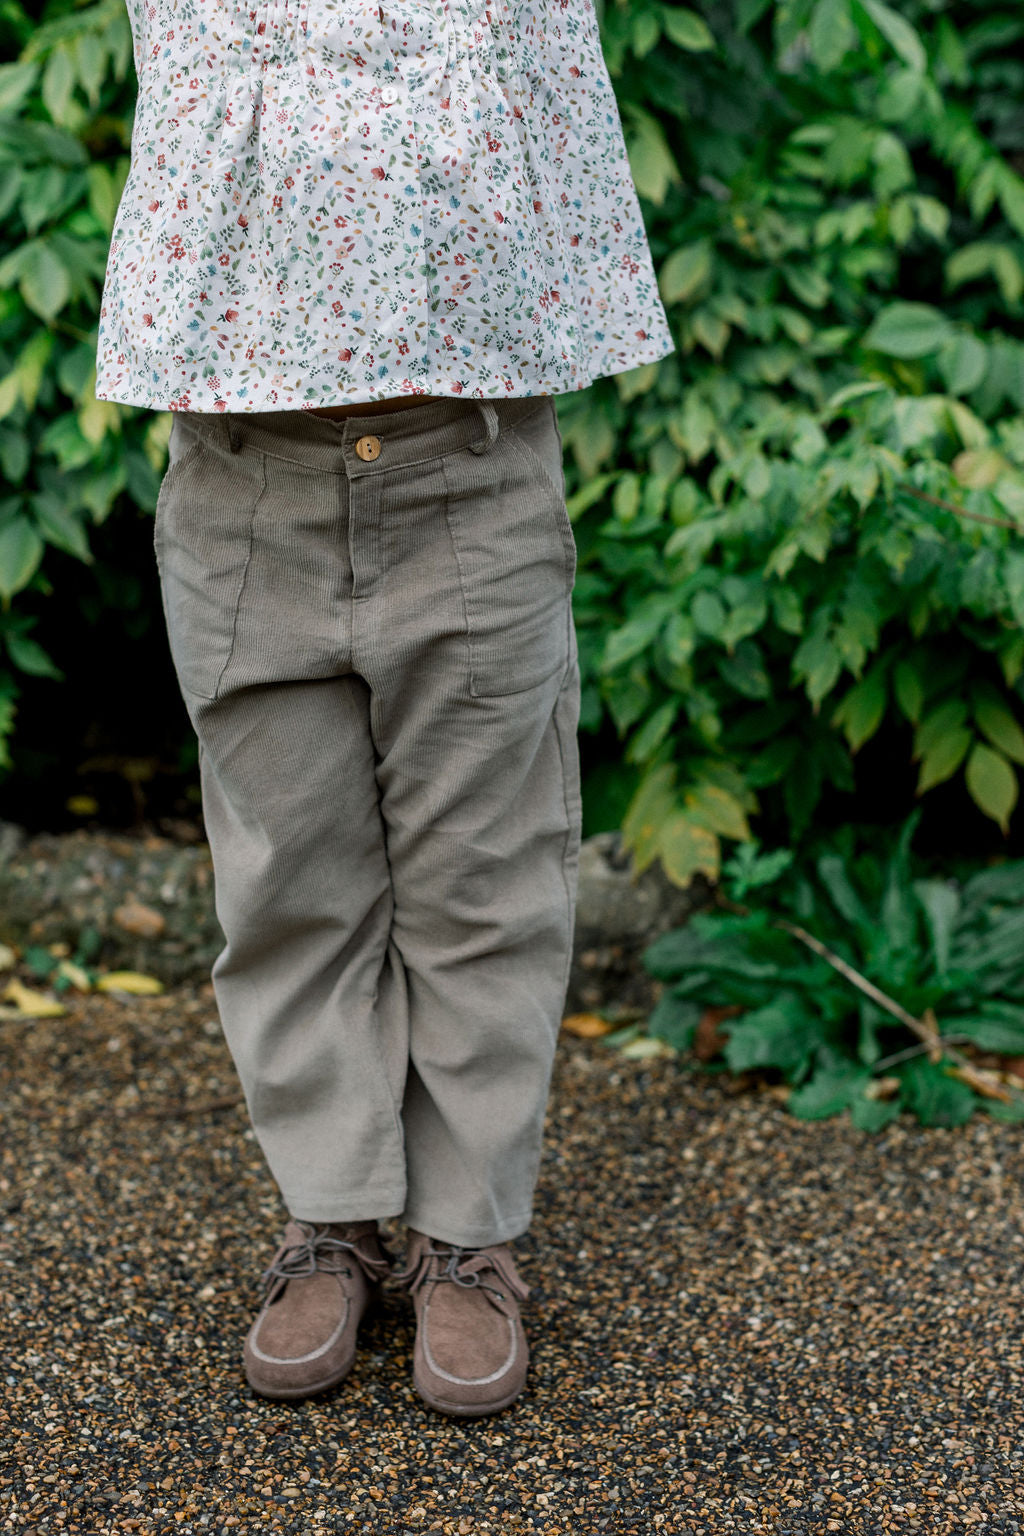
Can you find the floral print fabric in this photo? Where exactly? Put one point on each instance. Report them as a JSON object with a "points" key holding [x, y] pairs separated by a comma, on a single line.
{"points": [[336, 201]]}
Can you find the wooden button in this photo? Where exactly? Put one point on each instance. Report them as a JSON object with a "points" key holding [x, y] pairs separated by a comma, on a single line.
{"points": [[368, 447]]}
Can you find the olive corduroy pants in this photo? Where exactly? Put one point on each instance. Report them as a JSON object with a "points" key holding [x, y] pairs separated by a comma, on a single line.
{"points": [[370, 619]]}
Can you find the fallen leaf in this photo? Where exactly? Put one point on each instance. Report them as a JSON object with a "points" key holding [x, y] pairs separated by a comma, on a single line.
{"points": [[586, 1026], [708, 1039], [645, 1049], [32, 1005], [78, 978], [132, 982], [143, 921]]}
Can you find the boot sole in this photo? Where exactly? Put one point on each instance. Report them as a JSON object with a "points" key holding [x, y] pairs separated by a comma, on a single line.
{"points": [[466, 1410], [296, 1394]]}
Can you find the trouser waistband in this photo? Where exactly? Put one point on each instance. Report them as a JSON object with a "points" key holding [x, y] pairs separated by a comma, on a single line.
{"points": [[411, 435]]}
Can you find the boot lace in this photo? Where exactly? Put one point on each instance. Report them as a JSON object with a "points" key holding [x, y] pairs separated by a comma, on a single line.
{"points": [[464, 1267], [320, 1250]]}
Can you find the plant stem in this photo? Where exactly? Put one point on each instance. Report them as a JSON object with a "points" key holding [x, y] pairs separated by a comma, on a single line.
{"points": [[951, 506], [924, 1028]]}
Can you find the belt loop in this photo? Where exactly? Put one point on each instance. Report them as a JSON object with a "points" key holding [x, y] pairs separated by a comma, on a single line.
{"points": [[232, 432], [490, 416]]}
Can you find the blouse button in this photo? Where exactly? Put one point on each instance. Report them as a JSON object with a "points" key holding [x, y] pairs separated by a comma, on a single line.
{"points": [[368, 447]]}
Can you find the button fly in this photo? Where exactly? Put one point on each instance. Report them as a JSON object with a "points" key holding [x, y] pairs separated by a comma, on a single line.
{"points": [[368, 447]]}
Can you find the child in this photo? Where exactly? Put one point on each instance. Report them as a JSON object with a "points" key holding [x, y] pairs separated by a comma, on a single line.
{"points": [[360, 249]]}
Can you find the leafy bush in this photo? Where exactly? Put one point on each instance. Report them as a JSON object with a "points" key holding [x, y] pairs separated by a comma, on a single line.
{"points": [[67, 460], [855, 980], [804, 529], [799, 533]]}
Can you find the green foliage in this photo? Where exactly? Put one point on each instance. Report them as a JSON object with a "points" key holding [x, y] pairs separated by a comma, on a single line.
{"points": [[803, 531], [799, 533], [67, 460], [933, 946]]}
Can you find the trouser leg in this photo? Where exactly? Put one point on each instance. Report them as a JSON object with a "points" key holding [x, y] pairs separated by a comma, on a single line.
{"points": [[310, 986], [483, 921], [469, 647]]}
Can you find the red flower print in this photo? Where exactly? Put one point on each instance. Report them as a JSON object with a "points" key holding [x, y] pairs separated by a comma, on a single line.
{"points": [[243, 221], [345, 355], [231, 315], [220, 405], [153, 207], [458, 387], [378, 172], [147, 319]]}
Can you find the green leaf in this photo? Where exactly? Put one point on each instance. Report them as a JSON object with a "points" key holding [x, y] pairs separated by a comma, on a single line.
{"points": [[749, 13], [908, 330], [651, 160], [781, 1034], [831, 33], [45, 284], [861, 710], [652, 733], [29, 657], [992, 783], [938, 722], [21, 550], [993, 1026], [898, 33], [646, 31], [686, 29], [997, 723], [835, 878], [828, 1092], [962, 363], [940, 902], [674, 1020], [874, 1114], [908, 689], [934, 1096], [943, 758]]}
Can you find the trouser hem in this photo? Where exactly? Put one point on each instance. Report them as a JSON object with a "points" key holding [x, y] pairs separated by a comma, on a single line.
{"points": [[438, 1226], [366, 1206]]}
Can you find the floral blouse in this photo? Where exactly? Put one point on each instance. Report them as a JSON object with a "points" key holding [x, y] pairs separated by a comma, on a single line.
{"points": [[337, 201]]}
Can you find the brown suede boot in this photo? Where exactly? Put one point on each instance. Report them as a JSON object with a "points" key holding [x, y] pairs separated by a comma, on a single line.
{"points": [[319, 1284], [471, 1355]]}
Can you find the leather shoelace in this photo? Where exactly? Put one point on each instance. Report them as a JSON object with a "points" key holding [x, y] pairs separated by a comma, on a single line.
{"points": [[464, 1267], [321, 1251]]}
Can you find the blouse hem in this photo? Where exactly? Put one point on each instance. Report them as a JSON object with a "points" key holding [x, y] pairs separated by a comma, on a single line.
{"points": [[437, 386]]}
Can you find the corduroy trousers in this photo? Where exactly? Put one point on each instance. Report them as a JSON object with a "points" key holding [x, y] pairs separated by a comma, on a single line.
{"points": [[370, 620]]}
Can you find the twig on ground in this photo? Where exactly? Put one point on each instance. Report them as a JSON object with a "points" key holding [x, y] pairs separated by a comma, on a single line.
{"points": [[924, 1027]]}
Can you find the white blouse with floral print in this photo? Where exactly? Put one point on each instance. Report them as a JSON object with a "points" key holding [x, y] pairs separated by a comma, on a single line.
{"points": [[335, 201]]}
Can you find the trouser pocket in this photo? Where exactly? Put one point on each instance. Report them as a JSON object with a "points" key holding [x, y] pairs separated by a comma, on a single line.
{"points": [[202, 537], [516, 556]]}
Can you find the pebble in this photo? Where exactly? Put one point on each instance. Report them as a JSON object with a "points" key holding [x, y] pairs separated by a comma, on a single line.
{"points": [[837, 1346]]}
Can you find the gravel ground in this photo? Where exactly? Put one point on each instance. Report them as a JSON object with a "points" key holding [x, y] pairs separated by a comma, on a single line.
{"points": [[739, 1322]]}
